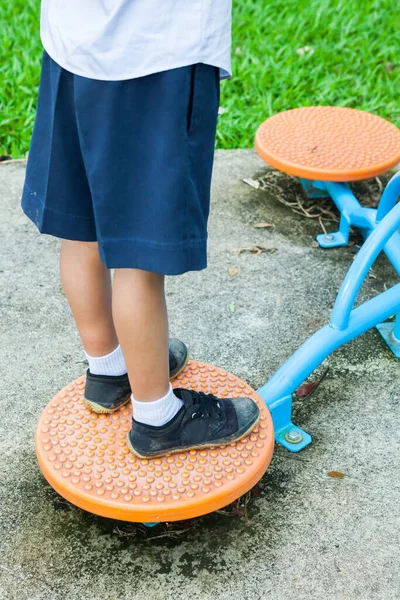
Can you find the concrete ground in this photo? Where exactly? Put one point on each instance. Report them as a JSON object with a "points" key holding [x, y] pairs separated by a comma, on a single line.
{"points": [[308, 536]]}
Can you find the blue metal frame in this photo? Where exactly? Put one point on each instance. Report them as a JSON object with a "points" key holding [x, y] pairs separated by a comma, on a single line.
{"points": [[380, 228]]}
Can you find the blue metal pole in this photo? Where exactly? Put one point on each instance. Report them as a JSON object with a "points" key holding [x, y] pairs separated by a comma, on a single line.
{"points": [[360, 267], [345, 323], [389, 197], [392, 251], [351, 213], [310, 355], [349, 206]]}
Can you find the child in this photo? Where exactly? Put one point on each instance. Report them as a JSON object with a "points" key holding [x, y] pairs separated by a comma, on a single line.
{"points": [[120, 169]]}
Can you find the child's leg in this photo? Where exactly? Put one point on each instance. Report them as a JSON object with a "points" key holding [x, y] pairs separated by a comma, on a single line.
{"points": [[140, 317], [87, 285]]}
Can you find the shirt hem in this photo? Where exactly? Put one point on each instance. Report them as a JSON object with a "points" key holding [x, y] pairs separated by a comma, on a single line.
{"points": [[225, 70]]}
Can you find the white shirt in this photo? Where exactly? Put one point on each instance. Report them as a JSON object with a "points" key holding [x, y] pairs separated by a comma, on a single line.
{"points": [[123, 39]]}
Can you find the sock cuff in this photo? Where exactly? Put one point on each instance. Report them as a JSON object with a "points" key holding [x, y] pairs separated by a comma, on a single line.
{"points": [[157, 412], [109, 364]]}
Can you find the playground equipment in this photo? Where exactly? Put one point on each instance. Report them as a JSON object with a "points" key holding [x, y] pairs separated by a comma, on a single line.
{"points": [[326, 147], [84, 456]]}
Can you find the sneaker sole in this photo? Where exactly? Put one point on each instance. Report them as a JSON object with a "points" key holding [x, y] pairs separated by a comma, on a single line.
{"points": [[101, 410], [235, 438]]}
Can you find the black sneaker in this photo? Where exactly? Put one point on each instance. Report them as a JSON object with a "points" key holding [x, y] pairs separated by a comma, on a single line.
{"points": [[107, 393], [203, 421]]}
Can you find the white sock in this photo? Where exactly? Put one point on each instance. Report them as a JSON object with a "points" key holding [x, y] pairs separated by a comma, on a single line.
{"points": [[158, 412], [110, 364]]}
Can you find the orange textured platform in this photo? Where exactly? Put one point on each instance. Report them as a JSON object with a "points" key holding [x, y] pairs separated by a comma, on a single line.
{"points": [[85, 458], [329, 143]]}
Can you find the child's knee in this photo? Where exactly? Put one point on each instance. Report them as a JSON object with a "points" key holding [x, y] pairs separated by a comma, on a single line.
{"points": [[77, 245], [140, 276]]}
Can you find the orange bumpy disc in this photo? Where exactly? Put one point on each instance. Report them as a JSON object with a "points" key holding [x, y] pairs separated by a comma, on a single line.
{"points": [[85, 458], [329, 143]]}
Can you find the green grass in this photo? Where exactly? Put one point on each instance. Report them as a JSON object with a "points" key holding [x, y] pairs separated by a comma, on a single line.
{"points": [[355, 62]]}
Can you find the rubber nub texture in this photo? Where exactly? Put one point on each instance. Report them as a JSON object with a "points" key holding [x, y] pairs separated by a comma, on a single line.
{"points": [[329, 143], [85, 458]]}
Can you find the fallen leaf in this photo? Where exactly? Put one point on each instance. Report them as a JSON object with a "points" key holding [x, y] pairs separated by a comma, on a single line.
{"points": [[255, 492], [262, 225], [390, 67], [255, 249], [315, 244], [222, 110], [305, 390], [252, 182], [232, 307], [233, 271], [336, 474]]}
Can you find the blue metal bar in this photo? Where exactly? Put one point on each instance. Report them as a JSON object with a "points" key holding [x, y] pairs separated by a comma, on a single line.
{"points": [[309, 356], [389, 330], [389, 197], [311, 190], [288, 435], [345, 323], [360, 267], [351, 213], [396, 329], [349, 206], [392, 251]]}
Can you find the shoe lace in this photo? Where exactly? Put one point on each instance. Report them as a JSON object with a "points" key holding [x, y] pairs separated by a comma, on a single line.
{"points": [[205, 405]]}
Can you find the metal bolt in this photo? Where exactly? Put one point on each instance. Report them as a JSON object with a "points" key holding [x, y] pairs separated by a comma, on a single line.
{"points": [[294, 436], [329, 237]]}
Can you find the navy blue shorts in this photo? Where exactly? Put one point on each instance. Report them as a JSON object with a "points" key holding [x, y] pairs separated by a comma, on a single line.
{"points": [[127, 164]]}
